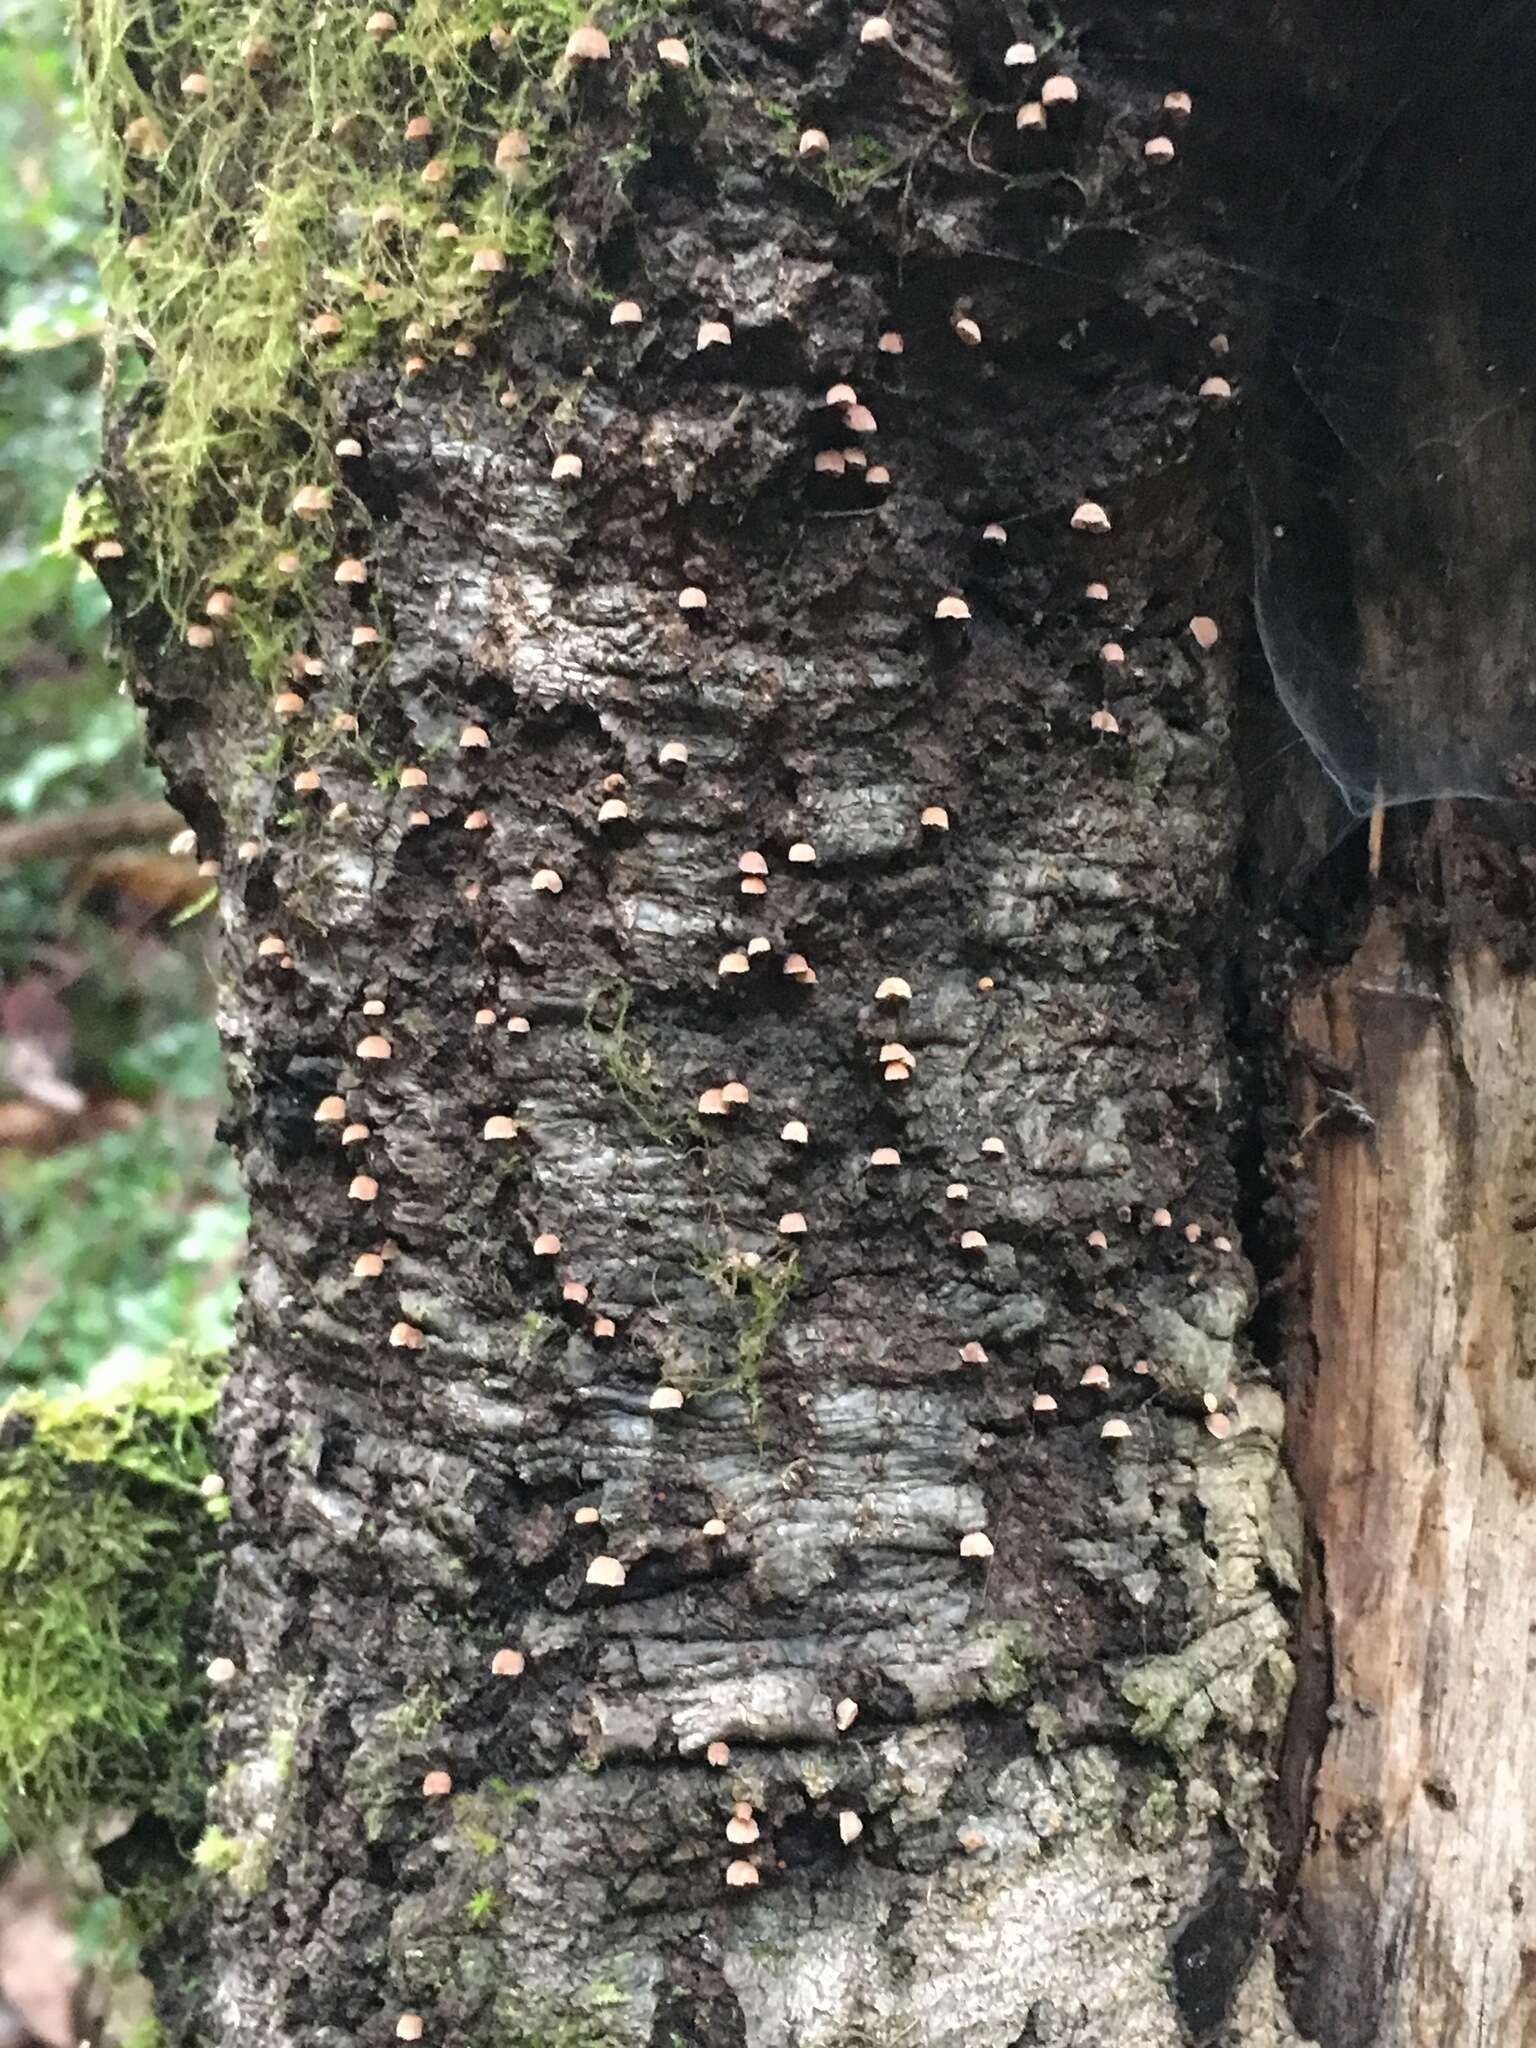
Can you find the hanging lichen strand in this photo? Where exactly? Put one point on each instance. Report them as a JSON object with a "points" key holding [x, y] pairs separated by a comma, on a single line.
{"points": [[749, 1495]]}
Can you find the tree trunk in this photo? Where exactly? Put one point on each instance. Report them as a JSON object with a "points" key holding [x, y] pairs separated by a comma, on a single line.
{"points": [[785, 1542]]}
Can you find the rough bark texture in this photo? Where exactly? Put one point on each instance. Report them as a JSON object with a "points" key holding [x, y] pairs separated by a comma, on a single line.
{"points": [[1413, 1442], [1064, 1753]]}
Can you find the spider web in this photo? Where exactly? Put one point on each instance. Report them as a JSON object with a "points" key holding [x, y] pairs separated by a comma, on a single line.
{"points": [[1392, 454]]}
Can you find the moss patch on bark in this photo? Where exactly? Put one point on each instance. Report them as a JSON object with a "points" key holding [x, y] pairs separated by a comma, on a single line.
{"points": [[295, 194], [105, 1548]]}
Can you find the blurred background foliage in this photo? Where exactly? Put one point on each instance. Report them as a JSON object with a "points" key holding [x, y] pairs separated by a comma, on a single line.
{"points": [[121, 1219], [120, 1216]]}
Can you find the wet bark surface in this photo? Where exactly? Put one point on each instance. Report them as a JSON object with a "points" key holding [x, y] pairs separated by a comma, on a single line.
{"points": [[1060, 1752]]}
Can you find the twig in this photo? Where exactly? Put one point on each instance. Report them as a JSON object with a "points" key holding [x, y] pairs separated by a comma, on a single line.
{"points": [[132, 819]]}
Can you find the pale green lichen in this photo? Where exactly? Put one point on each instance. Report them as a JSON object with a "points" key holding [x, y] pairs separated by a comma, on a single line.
{"points": [[1238, 1673], [1016, 1660], [105, 1551]]}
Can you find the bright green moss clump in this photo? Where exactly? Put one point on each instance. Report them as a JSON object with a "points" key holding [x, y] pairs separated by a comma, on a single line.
{"points": [[276, 226], [105, 1546]]}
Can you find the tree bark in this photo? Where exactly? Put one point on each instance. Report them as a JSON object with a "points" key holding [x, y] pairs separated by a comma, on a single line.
{"points": [[1030, 1796], [1413, 1433]]}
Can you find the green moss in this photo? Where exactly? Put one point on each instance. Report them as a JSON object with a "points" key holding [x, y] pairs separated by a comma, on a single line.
{"points": [[217, 1853], [854, 166], [583, 2029], [630, 1069], [282, 195], [244, 1863], [105, 1548], [382, 1769], [480, 1906], [488, 1815], [417, 1715], [761, 1292], [769, 1287]]}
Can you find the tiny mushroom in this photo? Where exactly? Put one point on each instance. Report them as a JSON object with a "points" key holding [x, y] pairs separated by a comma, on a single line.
{"points": [[587, 45]]}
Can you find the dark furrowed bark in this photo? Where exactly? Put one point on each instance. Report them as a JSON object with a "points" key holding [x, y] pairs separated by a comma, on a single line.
{"points": [[1062, 1748]]}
